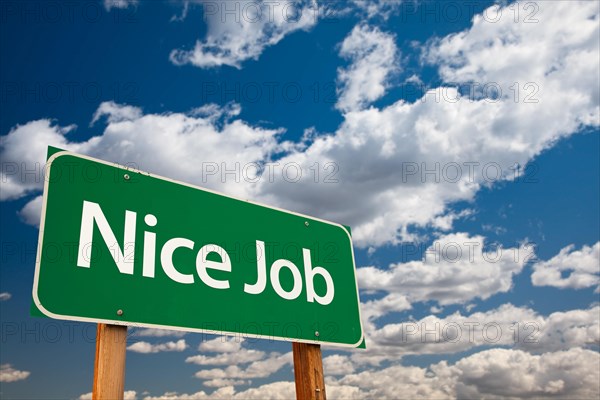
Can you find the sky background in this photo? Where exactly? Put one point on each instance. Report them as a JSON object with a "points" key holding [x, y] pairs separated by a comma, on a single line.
{"points": [[459, 140]]}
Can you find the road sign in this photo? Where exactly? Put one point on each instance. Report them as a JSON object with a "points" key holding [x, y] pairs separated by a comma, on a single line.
{"points": [[121, 246]]}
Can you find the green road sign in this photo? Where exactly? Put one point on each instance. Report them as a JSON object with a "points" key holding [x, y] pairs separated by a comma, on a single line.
{"points": [[122, 246]]}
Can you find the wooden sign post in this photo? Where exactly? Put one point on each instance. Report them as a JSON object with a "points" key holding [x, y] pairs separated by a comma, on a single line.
{"points": [[109, 367], [308, 372], [111, 348]]}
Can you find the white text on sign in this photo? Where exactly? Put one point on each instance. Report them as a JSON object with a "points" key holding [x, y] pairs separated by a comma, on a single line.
{"points": [[124, 258]]}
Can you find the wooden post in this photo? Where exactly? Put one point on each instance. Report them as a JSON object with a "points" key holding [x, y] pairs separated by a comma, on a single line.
{"points": [[109, 367], [308, 372]]}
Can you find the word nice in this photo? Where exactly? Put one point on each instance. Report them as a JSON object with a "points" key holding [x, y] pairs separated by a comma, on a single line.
{"points": [[124, 258]]}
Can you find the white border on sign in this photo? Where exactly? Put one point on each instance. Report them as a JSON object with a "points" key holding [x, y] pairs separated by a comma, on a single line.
{"points": [[169, 327]]}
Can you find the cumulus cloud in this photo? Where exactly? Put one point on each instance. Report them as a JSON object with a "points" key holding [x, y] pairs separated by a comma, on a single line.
{"points": [[5, 296], [501, 373], [224, 382], [378, 8], [392, 169], [570, 268], [241, 30], [456, 268], [373, 59], [242, 356], [257, 369], [561, 331], [9, 374], [402, 165], [497, 50], [451, 334], [116, 112], [374, 309], [239, 363], [337, 365], [507, 325], [32, 212], [181, 146], [127, 395], [145, 347], [153, 332], [435, 382], [24, 150], [222, 344], [494, 374], [270, 391]]}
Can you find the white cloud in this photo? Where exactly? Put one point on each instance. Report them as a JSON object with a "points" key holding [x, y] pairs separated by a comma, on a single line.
{"points": [[562, 330], [582, 266], [270, 391], [127, 395], [337, 365], [193, 396], [492, 374], [9, 374], [435, 382], [5, 296], [505, 326], [500, 373], [435, 310], [224, 382], [245, 31], [31, 213], [383, 155], [214, 111], [166, 144], [374, 309], [455, 269], [152, 332], [222, 344], [378, 8], [374, 151], [145, 347], [558, 53], [257, 369], [374, 59], [23, 151], [242, 356], [110, 4], [116, 112]]}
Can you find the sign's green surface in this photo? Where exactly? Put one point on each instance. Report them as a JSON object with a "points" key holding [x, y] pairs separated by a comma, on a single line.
{"points": [[125, 247]]}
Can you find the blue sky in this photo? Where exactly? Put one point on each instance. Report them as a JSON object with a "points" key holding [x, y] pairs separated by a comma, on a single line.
{"points": [[441, 125]]}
